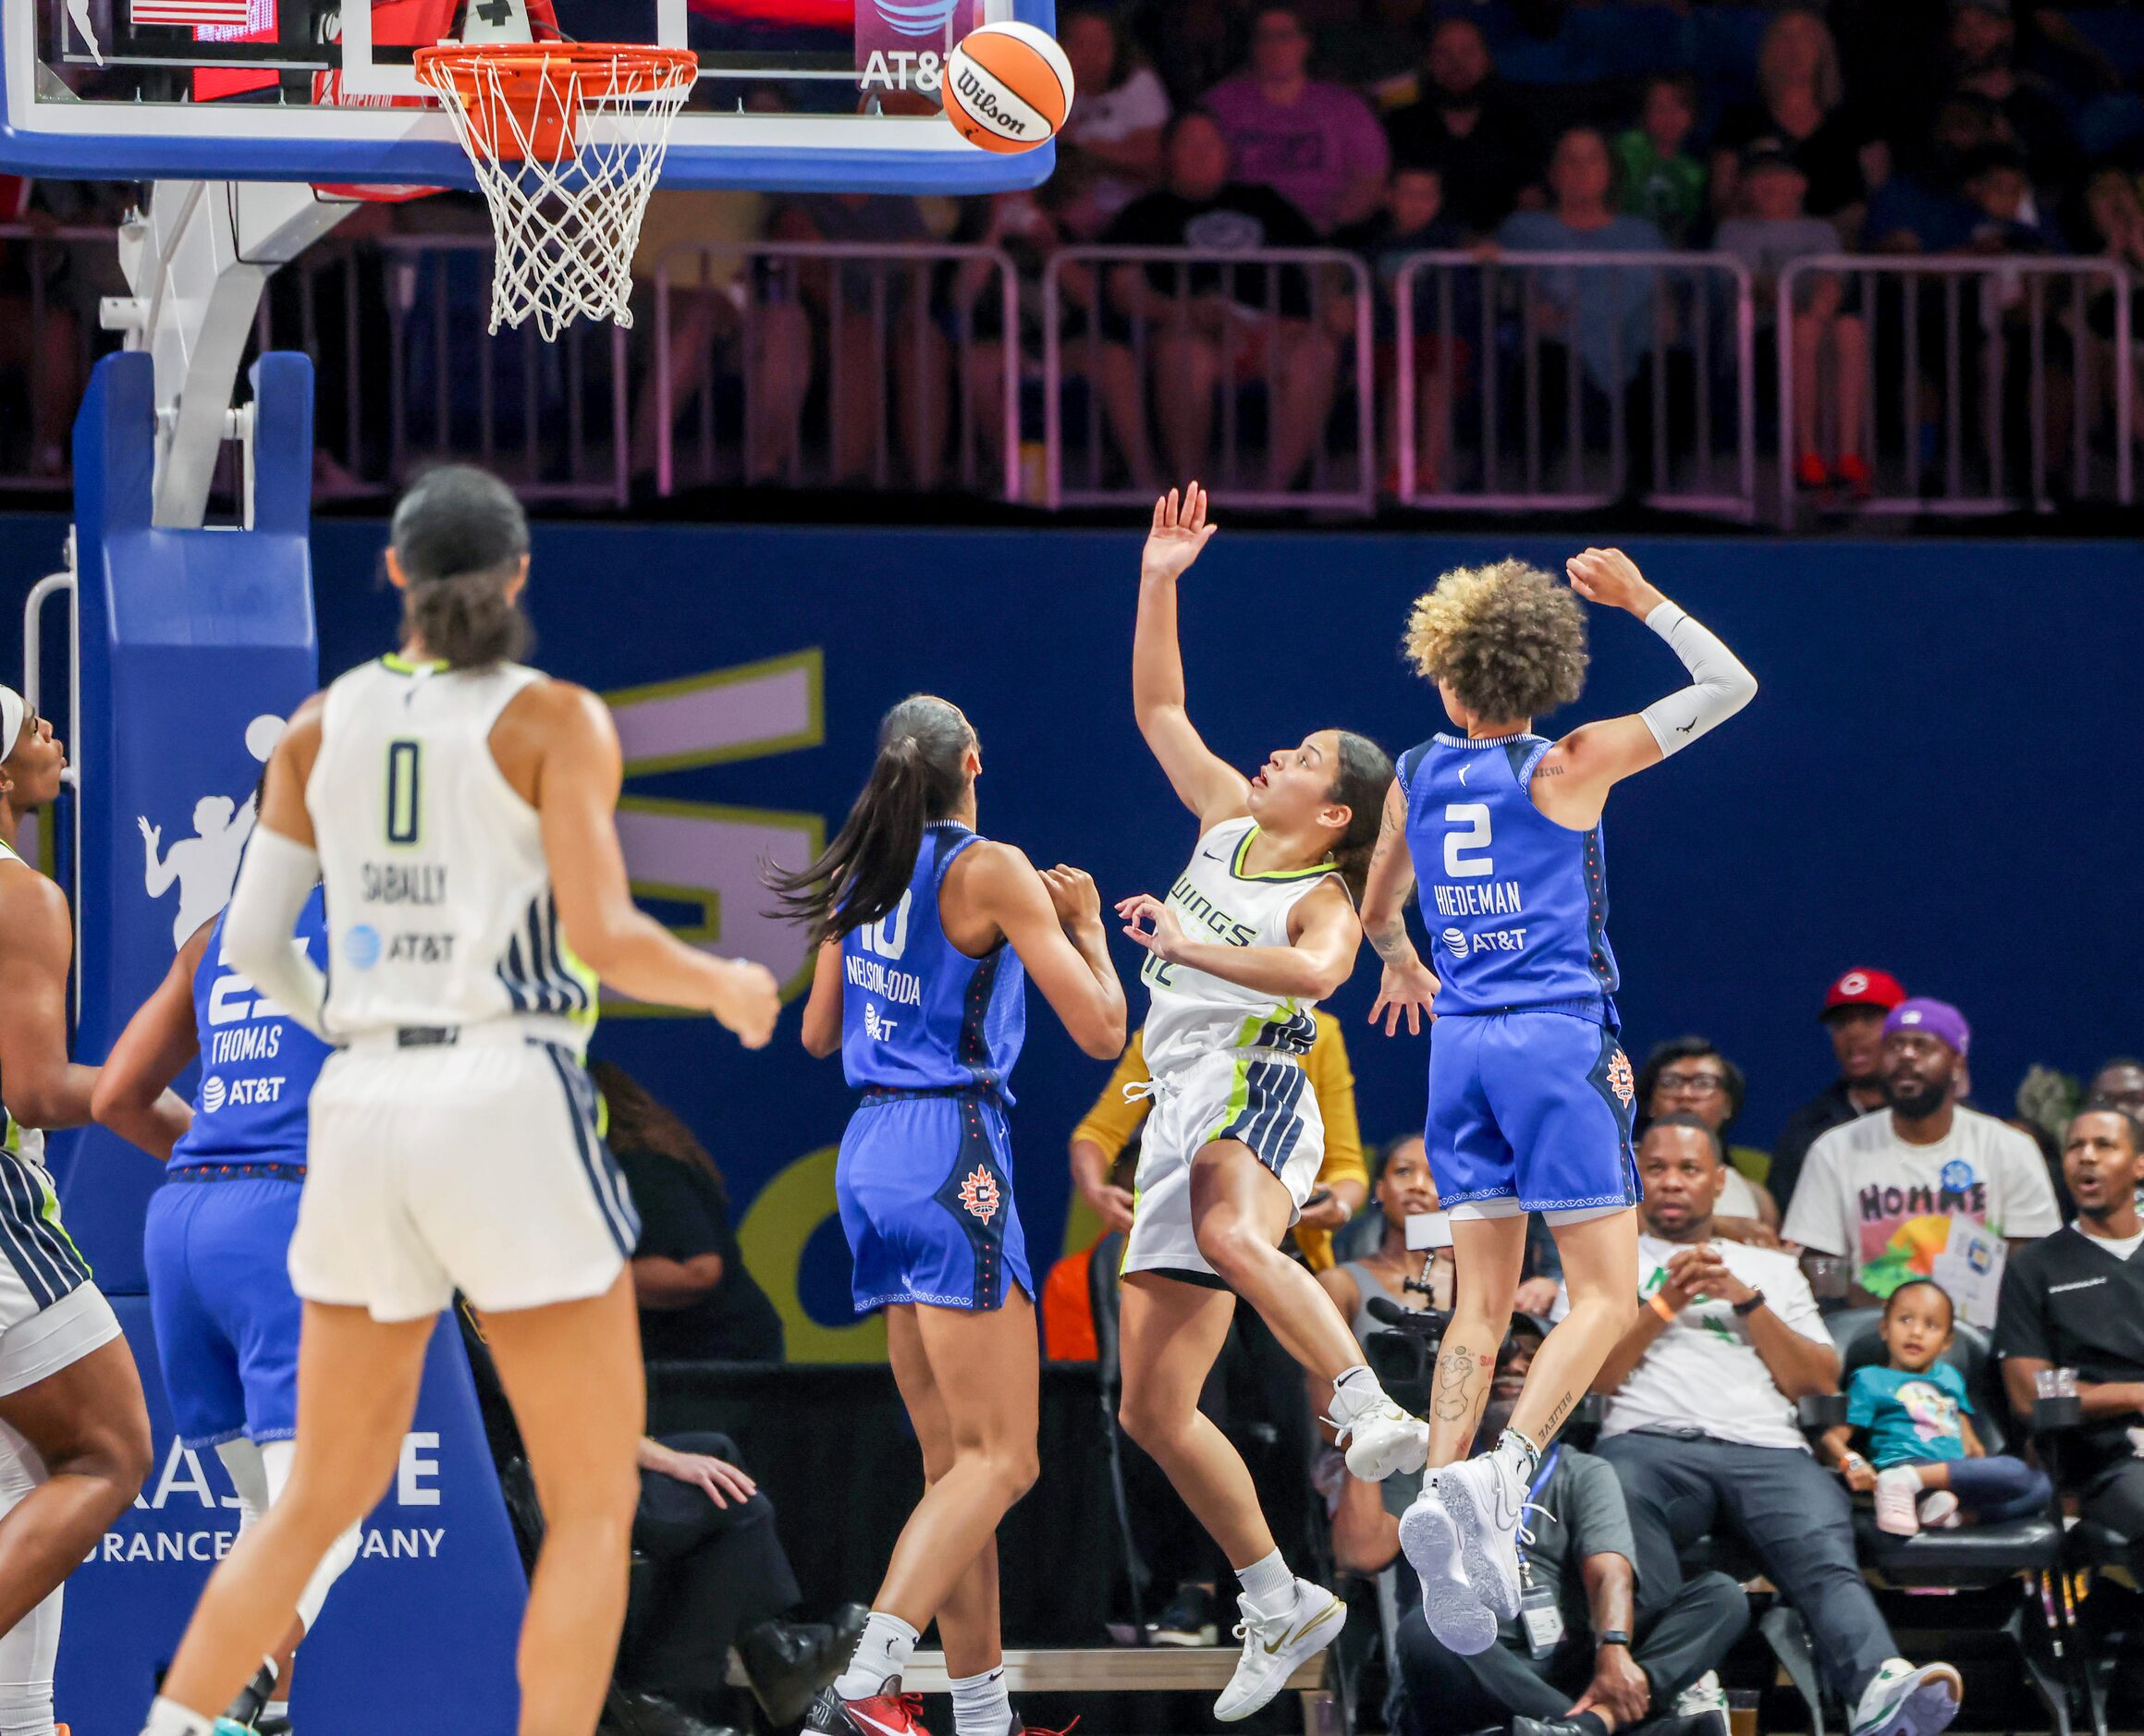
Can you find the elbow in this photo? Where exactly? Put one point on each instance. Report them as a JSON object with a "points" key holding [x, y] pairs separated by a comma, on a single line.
{"points": [[1740, 690], [818, 1044], [1102, 1037], [33, 1105], [116, 1102]]}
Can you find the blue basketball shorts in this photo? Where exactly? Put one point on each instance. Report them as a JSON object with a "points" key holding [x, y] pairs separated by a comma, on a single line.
{"points": [[1530, 1111], [924, 1186], [226, 1318]]}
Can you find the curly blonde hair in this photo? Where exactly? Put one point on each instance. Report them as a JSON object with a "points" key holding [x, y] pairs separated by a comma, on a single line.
{"points": [[1509, 639]]}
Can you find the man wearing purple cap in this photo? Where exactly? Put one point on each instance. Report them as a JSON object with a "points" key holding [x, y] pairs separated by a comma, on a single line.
{"points": [[1854, 1008], [1884, 1191]]}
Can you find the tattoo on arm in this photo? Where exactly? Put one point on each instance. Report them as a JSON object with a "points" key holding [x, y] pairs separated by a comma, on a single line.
{"points": [[1388, 941]]}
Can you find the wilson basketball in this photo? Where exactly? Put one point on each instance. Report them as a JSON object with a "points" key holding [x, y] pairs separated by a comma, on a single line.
{"points": [[1007, 87]]}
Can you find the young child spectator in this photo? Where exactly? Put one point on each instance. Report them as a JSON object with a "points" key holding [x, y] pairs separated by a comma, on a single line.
{"points": [[1661, 179], [1924, 1465], [1315, 144], [2010, 219], [1413, 220], [1831, 352]]}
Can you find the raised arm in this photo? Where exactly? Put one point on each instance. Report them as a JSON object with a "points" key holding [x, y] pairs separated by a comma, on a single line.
{"points": [[1053, 920], [1572, 783], [277, 877], [133, 1096], [1203, 782], [1326, 934], [1408, 985]]}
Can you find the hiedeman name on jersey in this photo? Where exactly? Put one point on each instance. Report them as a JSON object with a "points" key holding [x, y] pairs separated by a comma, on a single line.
{"points": [[1499, 897], [901, 987]]}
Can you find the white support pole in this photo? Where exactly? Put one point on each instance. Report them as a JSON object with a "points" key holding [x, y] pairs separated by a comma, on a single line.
{"points": [[196, 260]]}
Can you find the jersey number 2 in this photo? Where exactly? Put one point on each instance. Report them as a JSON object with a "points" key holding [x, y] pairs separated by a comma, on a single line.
{"points": [[402, 792], [1469, 821]]}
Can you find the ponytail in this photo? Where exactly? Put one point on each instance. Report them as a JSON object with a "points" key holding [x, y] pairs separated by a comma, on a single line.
{"points": [[1361, 782], [459, 537], [918, 776]]}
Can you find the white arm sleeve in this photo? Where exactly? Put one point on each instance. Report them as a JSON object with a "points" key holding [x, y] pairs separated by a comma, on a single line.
{"points": [[1720, 685], [275, 880]]}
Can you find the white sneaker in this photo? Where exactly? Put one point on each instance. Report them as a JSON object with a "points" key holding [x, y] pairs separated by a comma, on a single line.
{"points": [[1382, 1440], [1430, 1541], [1903, 1701], [1701, 1696], [1939, 1511], [1485, 1502], [1897, 1496], [1274, 1646]]}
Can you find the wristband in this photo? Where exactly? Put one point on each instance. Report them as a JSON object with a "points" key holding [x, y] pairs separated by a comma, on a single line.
{"points": [[1744, 1309], [1660, 1308], [1614, 1636]]}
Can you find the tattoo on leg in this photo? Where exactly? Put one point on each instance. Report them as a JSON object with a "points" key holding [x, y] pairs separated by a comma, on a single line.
{"points": [[1556, 1418], [1457, 1371]]}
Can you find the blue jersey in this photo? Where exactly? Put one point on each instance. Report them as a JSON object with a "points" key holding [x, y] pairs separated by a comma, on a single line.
{"points": [[257, 1065], [917, 1013], [1517, 905]]}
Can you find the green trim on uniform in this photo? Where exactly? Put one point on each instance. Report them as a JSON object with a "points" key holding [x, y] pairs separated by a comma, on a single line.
{"points": [[1244, 848], [400, 664], [50, 1213], [1238, 1099]]}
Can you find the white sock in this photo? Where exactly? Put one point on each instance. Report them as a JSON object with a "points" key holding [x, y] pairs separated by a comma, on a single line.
{"points": [[1520, 1457], [980, 1705], [167, 1718], [276, 1709], [882, 1650], [1354, 1390], [1268, 1584]]}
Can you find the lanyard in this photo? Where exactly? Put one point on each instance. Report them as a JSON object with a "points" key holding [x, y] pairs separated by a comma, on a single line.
{"points": [[1541, 1476]]}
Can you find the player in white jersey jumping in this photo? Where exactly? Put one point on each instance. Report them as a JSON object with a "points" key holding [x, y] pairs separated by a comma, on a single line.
{"points": [[459, 808], [74, 1432], [1259, 928]]}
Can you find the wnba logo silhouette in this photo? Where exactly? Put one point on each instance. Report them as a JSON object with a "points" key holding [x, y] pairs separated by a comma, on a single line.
{"points": [[204, 866]]}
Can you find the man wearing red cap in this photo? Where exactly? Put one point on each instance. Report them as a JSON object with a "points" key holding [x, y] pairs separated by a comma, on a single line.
{"points": [[1853, 1009], [1886, 1190]]}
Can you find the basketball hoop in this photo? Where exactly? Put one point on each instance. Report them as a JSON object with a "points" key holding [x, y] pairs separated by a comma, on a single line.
{"points": [[567, 140]]}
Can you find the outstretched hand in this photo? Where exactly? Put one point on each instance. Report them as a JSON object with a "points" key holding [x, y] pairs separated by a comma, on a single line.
{"points": [[1179, 533], [1404, 988], [1609, 577], [1153, 924]]}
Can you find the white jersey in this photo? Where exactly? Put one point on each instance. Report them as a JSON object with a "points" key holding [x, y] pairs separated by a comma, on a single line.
{"points": [[1191, 1014], [24, 1141], [439, 905]]}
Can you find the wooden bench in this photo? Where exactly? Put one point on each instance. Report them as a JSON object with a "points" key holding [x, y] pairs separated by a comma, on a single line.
{"points": [[1111, 1669]]}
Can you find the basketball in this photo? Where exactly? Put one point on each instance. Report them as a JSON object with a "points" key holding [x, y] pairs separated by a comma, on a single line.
{"points": [[1008, 87]]}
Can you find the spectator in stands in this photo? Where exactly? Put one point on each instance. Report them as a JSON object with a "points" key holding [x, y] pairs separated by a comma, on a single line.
{"points": [[2113, 214], [1315, 144], [1413, 220], [698, 1302], [1404, 1188], [1701, 1431], [1221, 332], [1854, 1007], [1344, 1179], [1470, 126], [1925, 210], [1689, 1076], [1379, 53], [2012, 218], [1611, 1657], [1800, 108], [2077, 1301], [1661, 179], [2118, 1084], [850, 298], [1109, 150], [1983, 47], [1925, 1464], [1831, 342], [1604, 316], [1882, 1192], [1195, 44]]}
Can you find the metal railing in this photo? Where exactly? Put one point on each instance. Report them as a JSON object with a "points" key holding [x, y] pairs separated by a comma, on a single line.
{"points": [[1966, 366], [1155, 333], [1547, 359], [873, 347], [57, 273]]}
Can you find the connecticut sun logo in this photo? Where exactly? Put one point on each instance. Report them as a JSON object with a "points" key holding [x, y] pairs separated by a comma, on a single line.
{"points": [[979, 1192], [1619, 1079]]}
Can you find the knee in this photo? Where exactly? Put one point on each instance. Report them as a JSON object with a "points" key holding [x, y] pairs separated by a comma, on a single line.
{"points": [[113, 1450], [1017, 1469], [1723, 1600], [1232, 1247], [1146, 1421]]}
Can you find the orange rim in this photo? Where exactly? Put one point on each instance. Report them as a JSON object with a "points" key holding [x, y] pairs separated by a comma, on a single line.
{"points": [[520, 77], [646, 65]]}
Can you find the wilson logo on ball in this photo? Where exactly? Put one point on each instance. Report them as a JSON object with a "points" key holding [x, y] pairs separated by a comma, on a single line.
{"points": [[1008, 87]]}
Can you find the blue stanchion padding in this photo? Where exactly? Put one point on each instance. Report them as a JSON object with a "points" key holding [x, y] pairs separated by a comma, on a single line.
{"points": [[421, 1630], [195, 644]]}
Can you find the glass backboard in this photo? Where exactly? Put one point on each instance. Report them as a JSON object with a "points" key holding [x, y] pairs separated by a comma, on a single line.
{"points": [[793, 94]]}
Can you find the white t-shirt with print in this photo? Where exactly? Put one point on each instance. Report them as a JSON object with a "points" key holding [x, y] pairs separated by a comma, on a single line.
{"points": [[1702, 1372], [1886, 1205], [1112, 117]]}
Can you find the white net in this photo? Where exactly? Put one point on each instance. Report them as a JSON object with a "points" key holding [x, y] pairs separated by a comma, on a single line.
{"points": [[568, 144]]}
